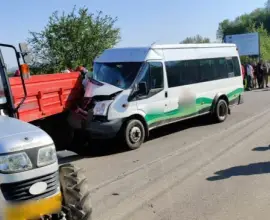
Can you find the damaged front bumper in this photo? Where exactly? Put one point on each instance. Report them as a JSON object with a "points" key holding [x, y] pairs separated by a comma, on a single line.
{"points": [[103, 129], [96, 127]]}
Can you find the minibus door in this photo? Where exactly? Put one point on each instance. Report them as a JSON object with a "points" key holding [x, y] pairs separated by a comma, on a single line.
{"points": [[154, 101]]}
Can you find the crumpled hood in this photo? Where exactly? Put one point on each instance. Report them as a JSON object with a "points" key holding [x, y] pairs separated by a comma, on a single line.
{"points": [[96, 88]]}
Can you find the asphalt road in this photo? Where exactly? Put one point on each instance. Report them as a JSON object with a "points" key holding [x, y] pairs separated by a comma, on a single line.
{"points": [[191, 170]]}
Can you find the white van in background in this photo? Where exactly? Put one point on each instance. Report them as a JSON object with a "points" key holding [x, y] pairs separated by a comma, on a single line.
{"points": [[134, 90]]}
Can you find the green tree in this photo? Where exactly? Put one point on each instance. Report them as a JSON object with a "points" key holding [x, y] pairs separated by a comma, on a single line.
{"points": [[72, 39], [267, 5], [195, 40], [264, 41], [256, 21], [242, 23]]}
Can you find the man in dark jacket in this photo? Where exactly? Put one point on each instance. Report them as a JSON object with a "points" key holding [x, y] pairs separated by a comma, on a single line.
{"points": [[260, 74], [255, 80], [265, 73]]}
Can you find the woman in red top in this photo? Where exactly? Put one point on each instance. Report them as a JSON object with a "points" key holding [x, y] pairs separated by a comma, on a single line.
{"points": [[243, 71]]}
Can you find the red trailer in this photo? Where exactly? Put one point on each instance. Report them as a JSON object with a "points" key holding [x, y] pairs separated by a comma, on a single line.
{"points": [[47, 95], [43, 100], [47, 99]]}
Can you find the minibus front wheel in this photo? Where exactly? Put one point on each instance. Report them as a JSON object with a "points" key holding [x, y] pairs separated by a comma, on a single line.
{"points": [[134, 134]]}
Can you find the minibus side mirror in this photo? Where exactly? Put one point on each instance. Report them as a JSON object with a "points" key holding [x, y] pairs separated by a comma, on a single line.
{"points": [[142, 89]]}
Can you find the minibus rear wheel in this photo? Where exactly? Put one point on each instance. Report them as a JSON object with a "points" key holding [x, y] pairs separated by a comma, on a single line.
{"points": [[134, 134], [221, 111]]}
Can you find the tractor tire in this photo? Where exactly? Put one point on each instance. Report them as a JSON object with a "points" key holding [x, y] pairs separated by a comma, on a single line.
{"points": [[76, 194]]}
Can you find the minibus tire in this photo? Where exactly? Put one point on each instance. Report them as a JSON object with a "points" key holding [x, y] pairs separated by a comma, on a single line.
{"points": [[75, 192], [217, 115], [137, 126]]}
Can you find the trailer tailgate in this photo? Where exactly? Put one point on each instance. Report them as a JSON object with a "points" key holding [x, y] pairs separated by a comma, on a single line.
{"points": [[47, 94]]}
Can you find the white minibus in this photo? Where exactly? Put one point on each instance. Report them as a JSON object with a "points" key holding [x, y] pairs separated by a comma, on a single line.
{"points": [[136, 89]]}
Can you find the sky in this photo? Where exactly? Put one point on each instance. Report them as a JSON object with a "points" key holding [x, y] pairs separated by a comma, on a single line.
{"points": [[142, 22]]}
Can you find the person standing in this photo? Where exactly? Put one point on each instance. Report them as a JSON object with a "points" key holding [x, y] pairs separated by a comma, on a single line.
{"points": [[268, 72], [243, 71], [259, 71], [265, 74], [255, 79], [250, 76]]}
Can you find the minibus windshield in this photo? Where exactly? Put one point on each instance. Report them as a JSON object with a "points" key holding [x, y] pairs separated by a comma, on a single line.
{"points": [[120, 75]]}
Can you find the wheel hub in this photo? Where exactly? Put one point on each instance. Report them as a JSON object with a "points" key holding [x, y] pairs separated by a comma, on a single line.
{"points": [[135, 134], [222, 110]]}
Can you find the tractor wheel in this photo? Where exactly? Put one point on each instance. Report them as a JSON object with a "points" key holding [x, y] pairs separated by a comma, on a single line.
{"points": [[76, 194]]}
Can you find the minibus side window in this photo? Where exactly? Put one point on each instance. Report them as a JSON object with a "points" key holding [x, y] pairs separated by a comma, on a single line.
{"points": [[230, 69], [186, 72], [153, 77], [156, 75], [236, 66]]}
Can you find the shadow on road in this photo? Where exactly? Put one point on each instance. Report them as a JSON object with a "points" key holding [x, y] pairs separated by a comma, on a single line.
{"points": [[95, 149], [247, 170], [261, 148], [262, 90], [100, 148], [109, 147], [180, 126]]}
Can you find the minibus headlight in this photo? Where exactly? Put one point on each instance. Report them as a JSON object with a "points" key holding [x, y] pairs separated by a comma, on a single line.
{"points": [[101, 108], [46, 156], [17, 162]]}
